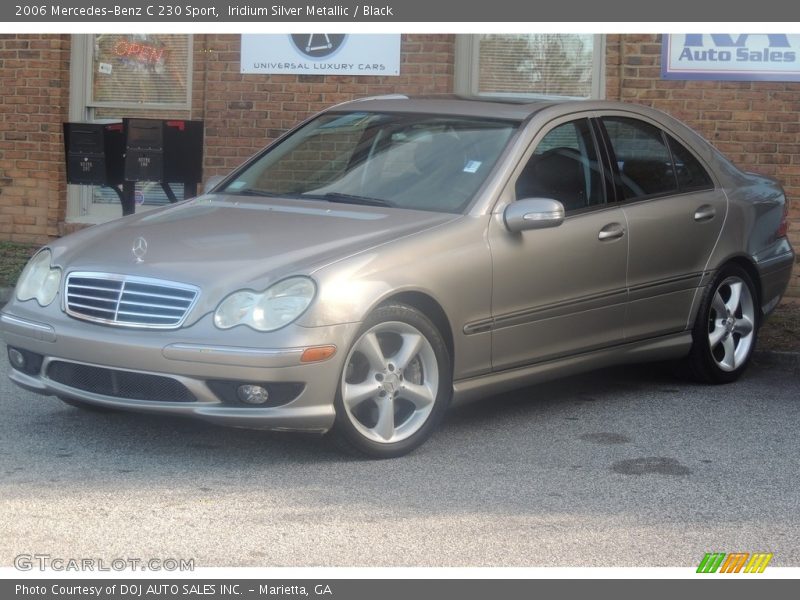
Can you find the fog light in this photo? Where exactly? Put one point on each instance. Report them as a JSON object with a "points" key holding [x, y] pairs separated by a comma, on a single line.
{"points": [[26, 361], [16, 358], [253, 394]]}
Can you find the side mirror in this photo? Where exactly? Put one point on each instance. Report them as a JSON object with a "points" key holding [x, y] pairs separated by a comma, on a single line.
{"points": [[212, 182], [533, 213]]}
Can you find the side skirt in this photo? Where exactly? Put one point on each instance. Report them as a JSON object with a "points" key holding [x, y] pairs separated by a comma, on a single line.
{"points": [[662, 348]]}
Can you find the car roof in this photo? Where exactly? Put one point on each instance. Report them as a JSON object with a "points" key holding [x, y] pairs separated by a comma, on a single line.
{"points": [[447, 104], [516, 108]]}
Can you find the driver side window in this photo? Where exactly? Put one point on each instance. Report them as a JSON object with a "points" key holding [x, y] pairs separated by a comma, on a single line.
{"points": [[564, 167]]}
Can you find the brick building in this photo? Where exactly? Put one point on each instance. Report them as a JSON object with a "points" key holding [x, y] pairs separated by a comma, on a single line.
{"points": [[756, 123]]}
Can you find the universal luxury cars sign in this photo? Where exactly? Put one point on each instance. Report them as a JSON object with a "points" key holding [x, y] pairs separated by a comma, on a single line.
{"points": [[321, 54], [733, 57]]}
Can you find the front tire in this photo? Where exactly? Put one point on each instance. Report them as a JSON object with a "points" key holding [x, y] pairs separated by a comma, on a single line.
{"points": [[396, 383], [726, 329]]}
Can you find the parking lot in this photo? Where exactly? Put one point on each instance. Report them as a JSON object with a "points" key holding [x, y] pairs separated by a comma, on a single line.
{"points": [[626, 467]]}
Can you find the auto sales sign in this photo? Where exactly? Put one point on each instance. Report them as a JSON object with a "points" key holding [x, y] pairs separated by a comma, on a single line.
{"points": [[732, 57]]}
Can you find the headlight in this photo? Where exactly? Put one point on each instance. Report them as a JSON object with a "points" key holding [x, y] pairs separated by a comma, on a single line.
{"points": [[279, 305], [39, 280]]}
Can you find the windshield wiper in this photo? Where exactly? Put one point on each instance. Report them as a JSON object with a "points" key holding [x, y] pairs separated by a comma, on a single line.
{"points": [[252, 192], [352, 199], [329, 197]]}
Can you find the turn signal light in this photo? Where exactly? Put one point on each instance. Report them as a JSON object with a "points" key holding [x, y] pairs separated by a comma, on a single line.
{"points": [[317, 354]]}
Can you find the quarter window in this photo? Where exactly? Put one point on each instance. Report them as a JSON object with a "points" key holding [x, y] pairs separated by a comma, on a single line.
{"points": [[691, 174]]}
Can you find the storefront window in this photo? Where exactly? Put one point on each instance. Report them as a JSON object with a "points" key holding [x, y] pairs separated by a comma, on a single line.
{"points": [[535, 65], [114, 76], [141, 70]]}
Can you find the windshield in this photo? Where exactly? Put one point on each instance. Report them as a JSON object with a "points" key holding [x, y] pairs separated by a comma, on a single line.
{"points": [[419, 162]]}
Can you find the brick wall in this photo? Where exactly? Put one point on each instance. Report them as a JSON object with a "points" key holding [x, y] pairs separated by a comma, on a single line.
{"points": [[756, 124], [242, 113], [34, 89]]}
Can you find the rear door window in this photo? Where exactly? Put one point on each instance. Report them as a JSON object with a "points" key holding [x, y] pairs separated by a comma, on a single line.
{"points": [[643, 158]]}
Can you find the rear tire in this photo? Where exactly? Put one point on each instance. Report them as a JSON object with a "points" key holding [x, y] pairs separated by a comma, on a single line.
{"points": [[726, 329]]}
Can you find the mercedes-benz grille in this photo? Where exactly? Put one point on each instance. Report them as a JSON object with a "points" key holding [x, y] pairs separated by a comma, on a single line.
{"points": [[128, 301]]}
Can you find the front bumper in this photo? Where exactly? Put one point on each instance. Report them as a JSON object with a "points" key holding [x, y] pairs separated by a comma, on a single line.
{"points": [[194, 357]]}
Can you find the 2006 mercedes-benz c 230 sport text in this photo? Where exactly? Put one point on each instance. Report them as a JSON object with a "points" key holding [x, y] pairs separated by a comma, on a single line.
{"points": [[392, 254]]}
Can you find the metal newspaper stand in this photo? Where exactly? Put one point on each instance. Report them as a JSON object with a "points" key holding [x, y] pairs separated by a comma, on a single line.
{"points": [[118, 155]]}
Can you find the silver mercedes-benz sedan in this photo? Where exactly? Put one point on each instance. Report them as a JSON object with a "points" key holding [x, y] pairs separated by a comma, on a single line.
{"points": [[390, 255]]}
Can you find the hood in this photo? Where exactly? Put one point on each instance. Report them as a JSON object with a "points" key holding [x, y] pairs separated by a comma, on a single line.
{"points": [[224, 243]]}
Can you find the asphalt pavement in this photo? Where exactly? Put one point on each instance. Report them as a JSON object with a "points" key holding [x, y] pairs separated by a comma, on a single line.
{"points": [[625, 467]]}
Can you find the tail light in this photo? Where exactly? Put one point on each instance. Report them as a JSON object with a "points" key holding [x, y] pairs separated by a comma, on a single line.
{"points": [[783, 228]]}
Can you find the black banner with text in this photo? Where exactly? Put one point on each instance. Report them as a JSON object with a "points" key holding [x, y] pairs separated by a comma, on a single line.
{"points": [[408, 11], [384, 589]]}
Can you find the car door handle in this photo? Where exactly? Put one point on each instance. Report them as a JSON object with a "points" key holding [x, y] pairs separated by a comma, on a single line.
{"points": [[704, 213], [612, 231]]}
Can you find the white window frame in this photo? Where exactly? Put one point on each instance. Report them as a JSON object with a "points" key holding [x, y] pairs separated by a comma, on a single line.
{"points": [[80, 208], [467, 64], [79, 196]]}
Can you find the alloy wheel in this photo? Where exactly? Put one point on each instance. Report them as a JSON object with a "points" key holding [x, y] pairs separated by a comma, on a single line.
{"points": [[731, 324], [390, 382]]}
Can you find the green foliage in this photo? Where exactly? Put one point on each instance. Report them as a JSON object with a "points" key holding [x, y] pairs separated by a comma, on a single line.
{"points": [[13, 257]]}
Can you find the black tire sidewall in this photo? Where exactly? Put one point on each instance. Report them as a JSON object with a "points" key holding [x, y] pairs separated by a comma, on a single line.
{"points": [[344, 428]]}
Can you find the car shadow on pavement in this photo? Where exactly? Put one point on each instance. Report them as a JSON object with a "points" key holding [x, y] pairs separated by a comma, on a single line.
{"points": [[111, 437]]}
